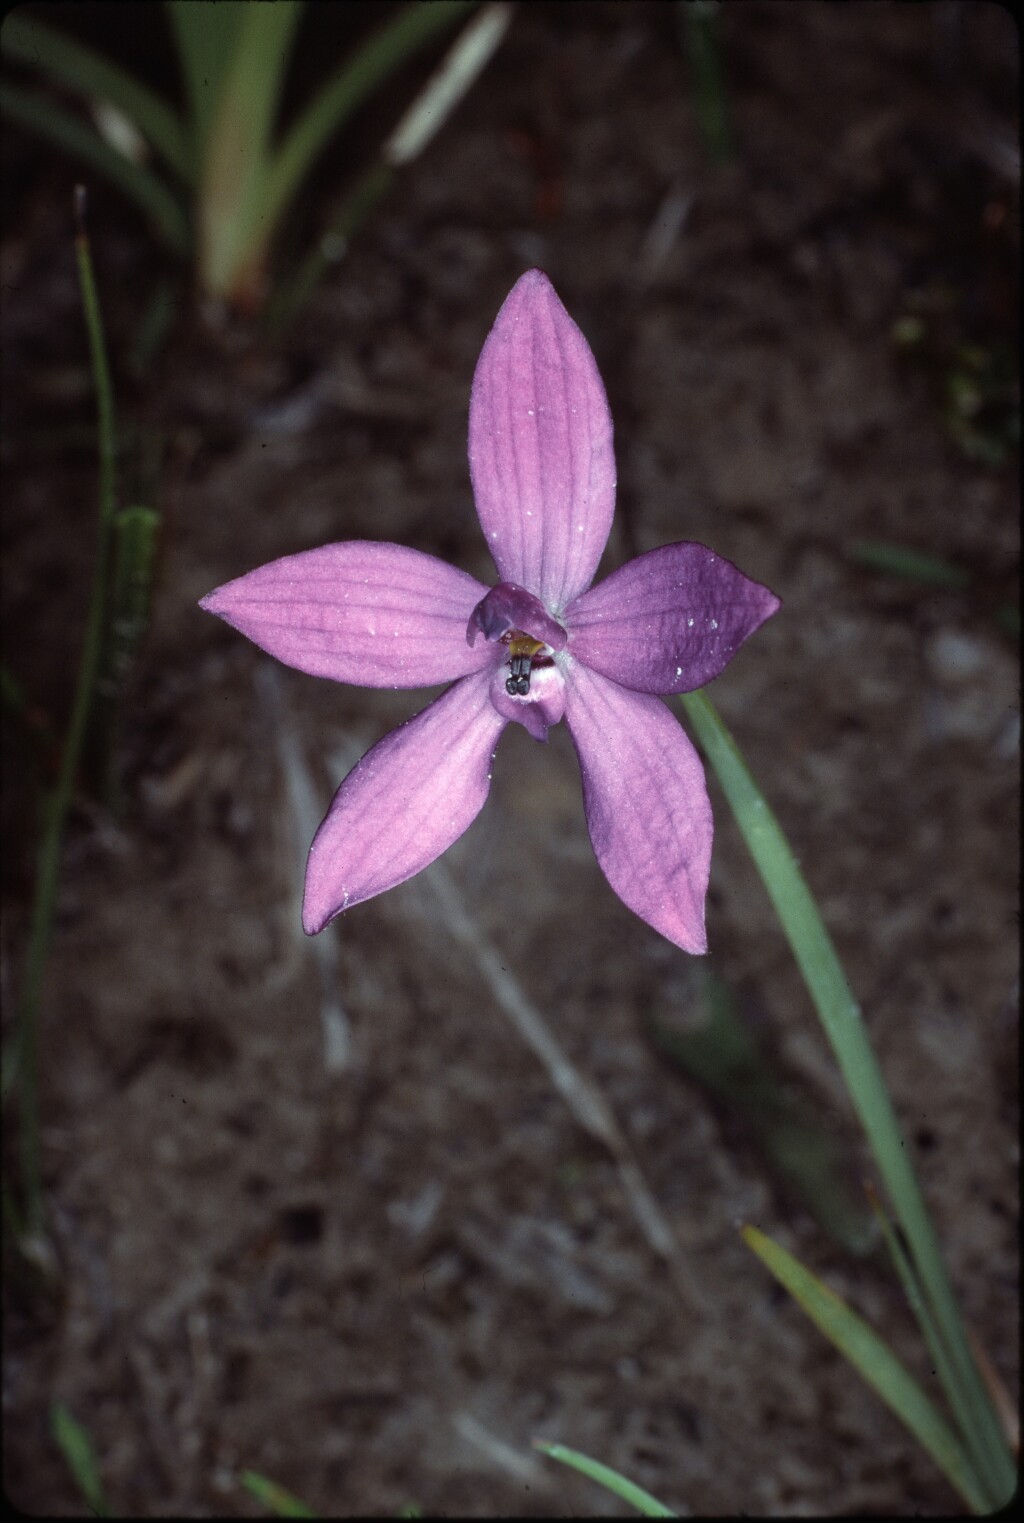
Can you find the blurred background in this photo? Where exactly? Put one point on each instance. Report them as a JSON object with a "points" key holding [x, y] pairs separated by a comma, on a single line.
{"points": [[313, 1208]]}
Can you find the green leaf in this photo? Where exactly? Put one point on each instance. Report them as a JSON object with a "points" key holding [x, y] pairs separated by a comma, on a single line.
{"points": [[457, 72], [627, 1491], [422, 119], [126, 619], [918, 1304], [698, 22], [73, 135], [235, 219], [94, 77], [897, 560], [135, 543], [841, 1018], [25, 1052], [76, 1446], [204, 34], [380, 58], [280, 1502], [875, 1362]]}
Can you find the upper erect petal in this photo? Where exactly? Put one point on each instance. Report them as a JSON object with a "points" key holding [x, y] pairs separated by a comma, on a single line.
{"points": [[540, 446], [378, 615], [647, 807], [668, 621], [405, 803]]}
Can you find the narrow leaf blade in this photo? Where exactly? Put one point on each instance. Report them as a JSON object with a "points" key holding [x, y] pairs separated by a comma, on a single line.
{"points": [[874, 1361], [73, 135], [626, 1490], [76, 1446], [92, 76], [844, 1027], [280, 1502]]}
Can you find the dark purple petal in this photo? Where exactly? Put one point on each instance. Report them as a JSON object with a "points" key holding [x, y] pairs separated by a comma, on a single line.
{"points": [[378, 615], [507, 607], [540, 446], [668, 621], [405, 803], [536, 710], [647, 807]]}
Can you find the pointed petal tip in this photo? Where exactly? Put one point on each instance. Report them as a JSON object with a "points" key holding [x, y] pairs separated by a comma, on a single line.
{"points": [[698, 947], [533, 282], [315, 919], [219, 601], [683, 925]]}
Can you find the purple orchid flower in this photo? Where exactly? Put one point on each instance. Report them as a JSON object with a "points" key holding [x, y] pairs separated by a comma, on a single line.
{"points": [[541, 645]]}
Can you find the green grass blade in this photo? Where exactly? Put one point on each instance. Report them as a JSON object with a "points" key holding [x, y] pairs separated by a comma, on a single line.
{"points": [[841, 1018], [875, 1362], [135, 533], [913, 565], [457, 72], [698, 22], [414, 26], [24, 1073], [918, 1304], [204, 35], [235, 218], [428, 112], [76, 1446], [626, 1491], [73, 136], [280, 1502], [154, 326], [92, 76]]}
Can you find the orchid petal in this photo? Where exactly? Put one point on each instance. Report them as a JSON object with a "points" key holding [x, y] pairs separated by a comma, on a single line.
{"points": [[647, 807], [412, 795], [378, 615], [668, 621], [540, 446]]}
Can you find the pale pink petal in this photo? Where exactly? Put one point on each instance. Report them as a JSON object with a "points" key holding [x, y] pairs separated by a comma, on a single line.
{"points": [[405, 803], [668, 621], [377, 615], [540, 446], [647, 806]]}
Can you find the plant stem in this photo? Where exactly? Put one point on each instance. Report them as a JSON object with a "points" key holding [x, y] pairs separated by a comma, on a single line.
{"points": [[44, 900]]}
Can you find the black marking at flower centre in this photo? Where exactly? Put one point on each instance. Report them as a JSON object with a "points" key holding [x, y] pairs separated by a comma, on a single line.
{"points": [[522, 651], [519, 682]]}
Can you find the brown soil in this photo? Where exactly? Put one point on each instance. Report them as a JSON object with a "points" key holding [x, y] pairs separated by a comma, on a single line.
{"points": [[376, 1272]]}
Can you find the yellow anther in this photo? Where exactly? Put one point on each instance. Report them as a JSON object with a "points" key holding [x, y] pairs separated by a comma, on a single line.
{"points": [[524, 645]]}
